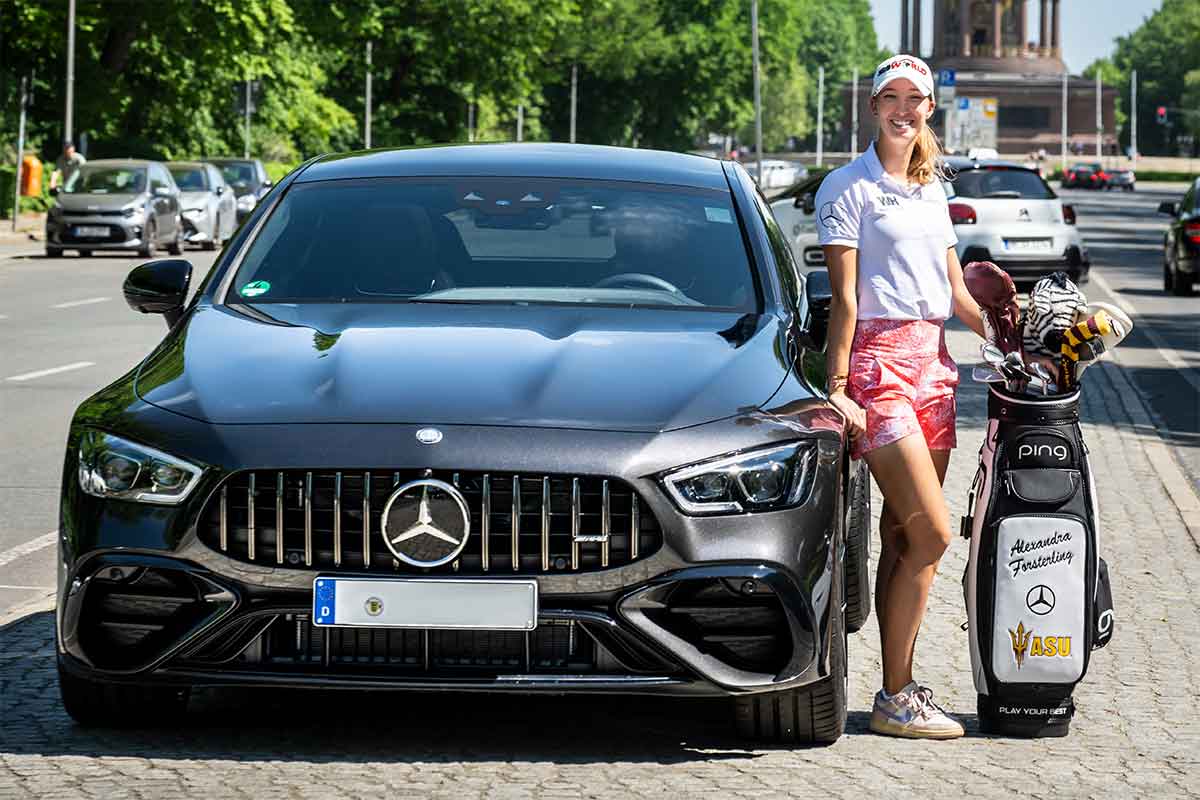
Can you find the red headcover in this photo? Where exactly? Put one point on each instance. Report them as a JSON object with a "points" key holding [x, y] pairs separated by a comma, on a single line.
{"points": [[996, 295]]}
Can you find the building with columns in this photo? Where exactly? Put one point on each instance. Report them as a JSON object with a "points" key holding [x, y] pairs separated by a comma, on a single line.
{"points": [[996, 54]]}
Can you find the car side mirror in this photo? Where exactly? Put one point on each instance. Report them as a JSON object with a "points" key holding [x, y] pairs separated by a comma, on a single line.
{"points": [[806, 202], [1168, 208], [159, 287], [54, 191], [220, 190], [818, 292]]}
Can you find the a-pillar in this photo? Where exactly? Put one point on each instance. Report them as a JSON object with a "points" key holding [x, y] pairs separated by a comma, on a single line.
{"points": [[1056, 36], [903, 26], [964, 27], [1044, 38], [997, 29], [916, 28]]}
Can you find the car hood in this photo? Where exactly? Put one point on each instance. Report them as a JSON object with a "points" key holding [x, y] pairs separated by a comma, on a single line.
{"points": [[96, 202], [541, 366]]}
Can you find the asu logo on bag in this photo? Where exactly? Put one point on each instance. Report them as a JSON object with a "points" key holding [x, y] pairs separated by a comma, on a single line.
{"points": [[1026, 645]]}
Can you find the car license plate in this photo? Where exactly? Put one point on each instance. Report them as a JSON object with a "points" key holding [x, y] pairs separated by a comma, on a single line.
{"points": [[1028, 244], [425, 603], [91, 231]]}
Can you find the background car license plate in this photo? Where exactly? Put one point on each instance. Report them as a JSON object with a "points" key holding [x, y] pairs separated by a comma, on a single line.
{"points": [[425, 603], [91, 231], [1028, 244]]}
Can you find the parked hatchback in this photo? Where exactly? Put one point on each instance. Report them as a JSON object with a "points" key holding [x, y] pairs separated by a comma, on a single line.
{"points": [[1007, 214], [209, 213], [1181, 242], [249, 180], [116, 204]]}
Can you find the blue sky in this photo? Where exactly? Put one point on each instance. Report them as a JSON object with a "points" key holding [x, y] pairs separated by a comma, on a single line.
{"points": [[1083, 39]]}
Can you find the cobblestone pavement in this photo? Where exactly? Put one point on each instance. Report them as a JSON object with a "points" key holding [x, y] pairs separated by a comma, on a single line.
{"points": [[1137, 731]]}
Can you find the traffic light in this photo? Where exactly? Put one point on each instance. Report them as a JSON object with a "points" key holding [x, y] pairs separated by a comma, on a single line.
{"points": [[1160, 115]]}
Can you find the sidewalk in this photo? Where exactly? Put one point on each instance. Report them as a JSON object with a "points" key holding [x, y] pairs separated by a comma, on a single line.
{"points": [[28, 237], [1137, 731]]}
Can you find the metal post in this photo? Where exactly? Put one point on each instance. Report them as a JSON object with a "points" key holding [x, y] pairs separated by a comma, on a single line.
{"points": [[520, 122], [20, 150], [367, 111], [820, 115], [471, 121], [1099, 121], [574, 97], [247, 136], [69, 114], [758, 145], [854, 113], [1133, 115], [1064, 123]]}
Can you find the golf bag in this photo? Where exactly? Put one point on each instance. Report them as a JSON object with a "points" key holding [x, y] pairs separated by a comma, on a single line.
{"points": [[1037, 592]]}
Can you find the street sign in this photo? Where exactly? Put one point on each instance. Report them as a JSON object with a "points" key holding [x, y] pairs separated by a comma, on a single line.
{"points": [[946, 77], [946, 95], [973, 124]]}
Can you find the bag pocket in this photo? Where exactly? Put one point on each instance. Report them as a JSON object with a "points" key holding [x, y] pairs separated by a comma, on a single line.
{"points": [[1043, 486], [1102, 609]]}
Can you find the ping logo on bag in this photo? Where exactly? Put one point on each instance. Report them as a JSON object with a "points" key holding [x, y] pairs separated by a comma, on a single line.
{"points": [[1042, 451], [1025, 644]]}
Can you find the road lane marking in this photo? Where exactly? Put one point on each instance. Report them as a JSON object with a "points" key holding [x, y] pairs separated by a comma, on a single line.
{"points": [[41, 373], [89, 301], [33, 588], [1169, 353], [32, 546]]}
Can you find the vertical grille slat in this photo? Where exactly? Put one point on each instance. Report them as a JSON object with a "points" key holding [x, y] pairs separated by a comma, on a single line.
{"points": [[527, 524]]}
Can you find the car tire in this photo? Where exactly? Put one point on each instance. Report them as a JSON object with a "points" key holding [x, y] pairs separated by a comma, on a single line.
{"points": [[53, 252], [1168, 280], [214, 241], [858, 552], [175, 248], [148, 243], [93, 704], [1181, 286]]}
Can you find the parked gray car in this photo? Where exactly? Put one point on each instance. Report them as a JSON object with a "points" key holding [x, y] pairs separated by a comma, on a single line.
{"points": [[249, 180], [209, 212], [116, 204]]}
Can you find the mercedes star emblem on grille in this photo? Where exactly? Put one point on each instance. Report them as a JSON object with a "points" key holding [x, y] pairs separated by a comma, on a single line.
{"points": [[1040, 600], [429, 436], [426, 523]]}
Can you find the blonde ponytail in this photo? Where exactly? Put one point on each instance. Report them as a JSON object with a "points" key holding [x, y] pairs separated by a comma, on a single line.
{"points": [[925, 165]]}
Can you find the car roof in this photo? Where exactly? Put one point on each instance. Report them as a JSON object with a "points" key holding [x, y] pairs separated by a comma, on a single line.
{"points": [[541, 160], [959, 163], [120, 162], [188, 164]]}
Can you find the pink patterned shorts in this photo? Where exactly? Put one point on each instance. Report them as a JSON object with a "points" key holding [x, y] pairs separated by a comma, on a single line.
{"points": [[902, 375]]}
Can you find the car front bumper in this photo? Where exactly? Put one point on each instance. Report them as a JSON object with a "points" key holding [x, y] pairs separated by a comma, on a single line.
{"points": [[724, 605], [124, 233]]}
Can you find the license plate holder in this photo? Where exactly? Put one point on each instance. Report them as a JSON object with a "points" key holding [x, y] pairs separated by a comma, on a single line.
{"points": [[91, 231], [425, 603], [1026, 245]]}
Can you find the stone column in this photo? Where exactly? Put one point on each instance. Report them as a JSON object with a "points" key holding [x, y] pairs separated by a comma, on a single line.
{"points": [[916, 28], [1022, 26], [939, 29], [998, 29], [1056, 35], [903, 26], [964, 26], [1044, 38]]}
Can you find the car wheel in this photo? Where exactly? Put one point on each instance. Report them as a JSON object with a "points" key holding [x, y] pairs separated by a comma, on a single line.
{"points": [[1181, 285], [214, 241], [815, 714], [1168, 280], [53, 252], [858, 552], [93, 704], [175, 248], [148, 241]]}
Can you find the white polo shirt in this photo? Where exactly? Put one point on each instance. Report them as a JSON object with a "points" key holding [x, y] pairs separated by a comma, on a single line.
{"points": [[901, 234]]}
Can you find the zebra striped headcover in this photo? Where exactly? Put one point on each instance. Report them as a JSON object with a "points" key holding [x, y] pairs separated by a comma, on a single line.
{"points": [[1053, 305]]}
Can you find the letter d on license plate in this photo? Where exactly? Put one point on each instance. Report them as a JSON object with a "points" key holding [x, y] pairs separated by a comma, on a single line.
{"points": [[425, 603]]}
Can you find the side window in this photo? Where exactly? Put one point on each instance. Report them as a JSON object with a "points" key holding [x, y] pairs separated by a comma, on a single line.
{"points": [[1191, 201], [158, 178], [785, 265]]}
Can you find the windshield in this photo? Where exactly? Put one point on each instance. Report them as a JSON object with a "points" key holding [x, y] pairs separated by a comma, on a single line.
{"points": [[189, 179], [238, 174], [999, 183], [107, 180], [500, 240]]}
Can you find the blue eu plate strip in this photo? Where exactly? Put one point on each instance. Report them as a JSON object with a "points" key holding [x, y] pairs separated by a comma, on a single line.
{"points": [[323, 601]]}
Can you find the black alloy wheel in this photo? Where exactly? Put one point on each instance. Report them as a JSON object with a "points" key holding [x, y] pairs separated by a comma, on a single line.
{"points": [[53, 252], [858, 551], [93, 704], [814, 714]]}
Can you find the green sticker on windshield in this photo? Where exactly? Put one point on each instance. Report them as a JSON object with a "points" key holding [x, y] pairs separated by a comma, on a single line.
{"points": [[718, 215], [255, 288]]}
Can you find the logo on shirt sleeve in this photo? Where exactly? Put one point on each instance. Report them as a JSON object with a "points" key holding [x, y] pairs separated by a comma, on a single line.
{"points": [[831, 218]]}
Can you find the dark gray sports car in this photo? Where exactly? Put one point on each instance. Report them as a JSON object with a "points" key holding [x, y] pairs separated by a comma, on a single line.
{"points": [[515, 418]]}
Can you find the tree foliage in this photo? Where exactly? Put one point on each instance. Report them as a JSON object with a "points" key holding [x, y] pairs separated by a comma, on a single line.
{"points": [[164, 78]]}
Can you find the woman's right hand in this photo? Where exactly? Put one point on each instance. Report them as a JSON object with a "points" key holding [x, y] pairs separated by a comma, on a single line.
{"points": [[856, 417]]}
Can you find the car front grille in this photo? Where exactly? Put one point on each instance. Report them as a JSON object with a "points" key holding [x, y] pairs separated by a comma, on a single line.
{"points": [[115, 234], [520, 524]]}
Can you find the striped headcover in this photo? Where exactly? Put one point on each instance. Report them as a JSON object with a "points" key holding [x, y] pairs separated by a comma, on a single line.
{"points": [[1053, 305]]}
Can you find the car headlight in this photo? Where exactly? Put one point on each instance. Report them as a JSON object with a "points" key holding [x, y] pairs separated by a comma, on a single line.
{"points": [[758, 480], [116, 468], [132, 211], [246, 202]]}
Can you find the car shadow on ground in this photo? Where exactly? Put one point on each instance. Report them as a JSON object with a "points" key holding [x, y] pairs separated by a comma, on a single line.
{"points": [[253, 724]]}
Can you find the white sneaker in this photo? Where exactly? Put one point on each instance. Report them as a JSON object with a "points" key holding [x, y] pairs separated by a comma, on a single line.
{"points": [[911, 713]]}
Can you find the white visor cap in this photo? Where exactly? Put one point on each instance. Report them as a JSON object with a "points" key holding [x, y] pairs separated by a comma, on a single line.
{"points": [[903, 66]]}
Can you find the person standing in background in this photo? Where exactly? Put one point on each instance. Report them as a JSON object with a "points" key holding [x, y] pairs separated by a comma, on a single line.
{"points": [[66, 165]]}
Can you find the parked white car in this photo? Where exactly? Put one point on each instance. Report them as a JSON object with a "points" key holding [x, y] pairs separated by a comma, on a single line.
{"points": [[794, 211], [1007, 214], [777, 173], [209, 210]]}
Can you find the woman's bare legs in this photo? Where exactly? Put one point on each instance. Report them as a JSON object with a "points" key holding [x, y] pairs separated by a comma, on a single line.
{"points": [[915, 532]]}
